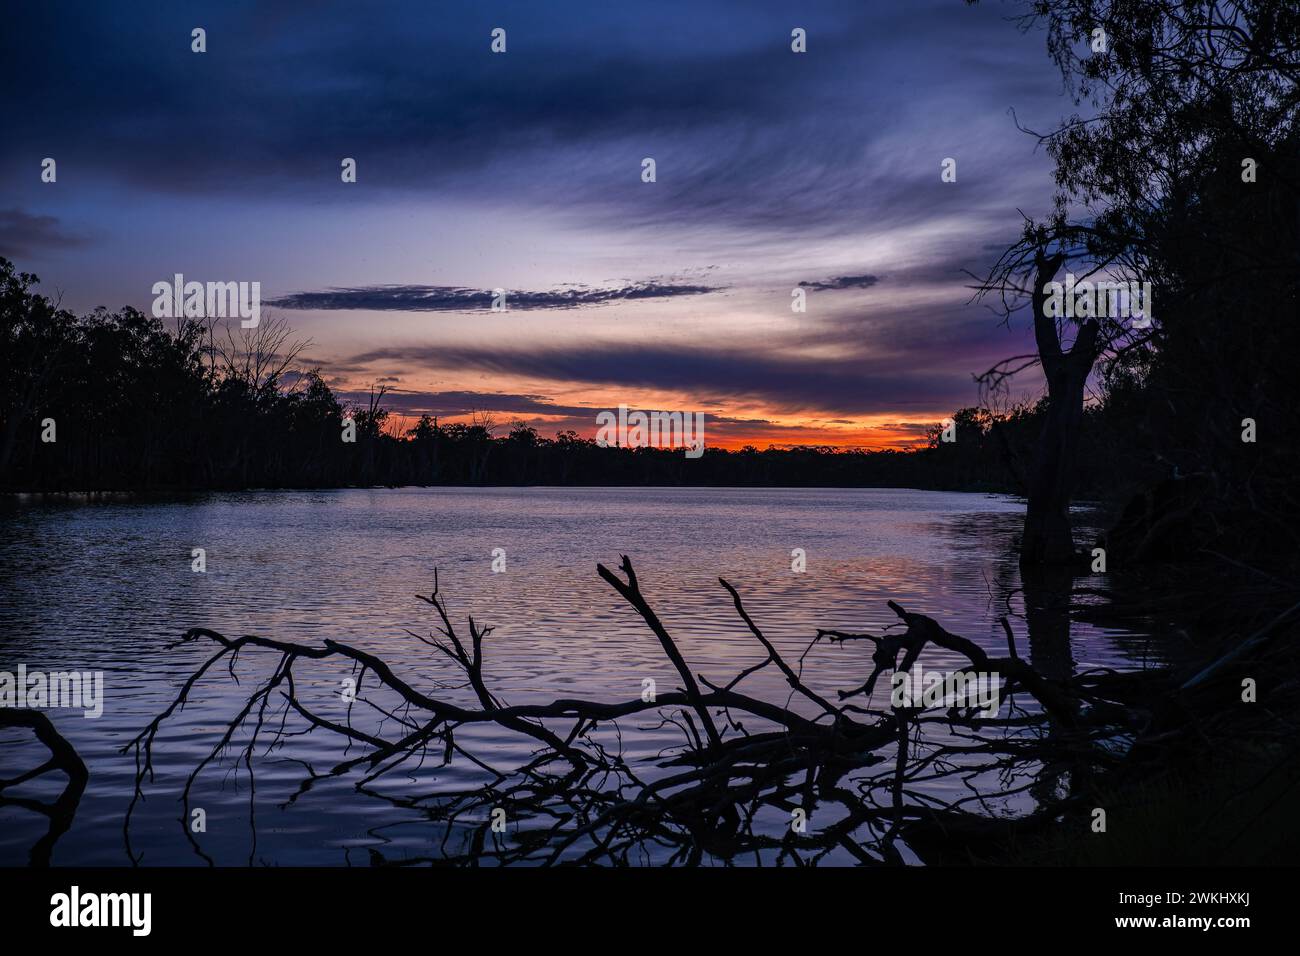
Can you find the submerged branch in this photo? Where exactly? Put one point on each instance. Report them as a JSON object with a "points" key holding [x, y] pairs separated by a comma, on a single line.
{"points": [[747, 764]]}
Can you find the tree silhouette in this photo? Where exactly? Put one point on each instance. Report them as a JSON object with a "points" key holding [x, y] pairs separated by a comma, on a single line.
{"points": [[1181, 171]]}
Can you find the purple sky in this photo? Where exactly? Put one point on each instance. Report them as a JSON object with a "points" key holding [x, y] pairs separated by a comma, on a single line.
{"points": [[522, 171]]}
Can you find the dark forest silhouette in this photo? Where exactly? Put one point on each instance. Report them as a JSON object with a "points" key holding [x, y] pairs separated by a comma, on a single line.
{"points": [[139, 406]]}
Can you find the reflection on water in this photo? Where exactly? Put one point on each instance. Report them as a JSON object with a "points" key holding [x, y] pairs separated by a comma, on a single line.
{"points": [[107, 585]]}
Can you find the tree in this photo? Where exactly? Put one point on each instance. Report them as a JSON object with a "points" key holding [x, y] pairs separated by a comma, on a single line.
{"points": [[37, 344], [1182, 172]]}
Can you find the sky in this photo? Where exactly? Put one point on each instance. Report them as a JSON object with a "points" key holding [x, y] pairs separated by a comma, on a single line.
{"points": [[523, 171]]}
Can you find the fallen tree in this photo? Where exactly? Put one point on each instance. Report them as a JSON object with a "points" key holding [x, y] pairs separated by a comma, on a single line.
{"points": [[888, 785]]}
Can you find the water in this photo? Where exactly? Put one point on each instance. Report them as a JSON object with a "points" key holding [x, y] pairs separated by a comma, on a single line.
{"points": [[107, 585]]}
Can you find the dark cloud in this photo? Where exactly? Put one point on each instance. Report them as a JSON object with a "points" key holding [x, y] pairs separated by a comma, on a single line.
{"points": [[906, 428], [23, 234], [743, 131], [441, 298], [450, 404], [786, 383], [844, 282]]}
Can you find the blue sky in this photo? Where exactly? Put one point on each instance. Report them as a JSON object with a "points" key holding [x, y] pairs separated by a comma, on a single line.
{"points": [[522, 171]]}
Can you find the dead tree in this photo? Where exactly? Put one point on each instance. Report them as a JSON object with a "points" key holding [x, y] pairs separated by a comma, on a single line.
{"points": [[743, 762], [1022, 276], [1048, 539]]}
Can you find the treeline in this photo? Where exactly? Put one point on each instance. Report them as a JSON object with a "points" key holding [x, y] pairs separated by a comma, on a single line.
{"points": [[125, 401], [984, 456]]}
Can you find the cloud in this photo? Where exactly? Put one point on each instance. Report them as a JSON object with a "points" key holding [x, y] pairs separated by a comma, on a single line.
{"points": [[844, 282], [906, 428], [787, 384], [744, 131], [453, 403], [441, 298], [23, 234]]}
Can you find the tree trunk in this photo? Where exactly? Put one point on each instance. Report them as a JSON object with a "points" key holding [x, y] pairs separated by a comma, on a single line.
{"points": [[1047, 539]]}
